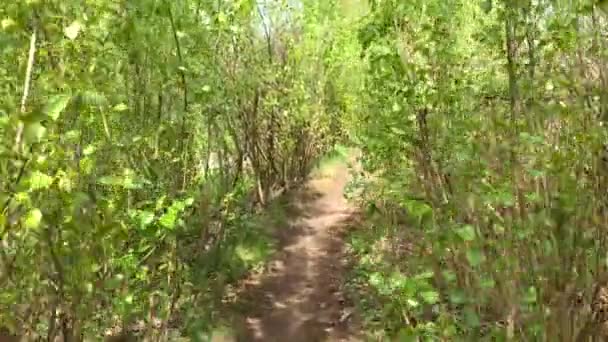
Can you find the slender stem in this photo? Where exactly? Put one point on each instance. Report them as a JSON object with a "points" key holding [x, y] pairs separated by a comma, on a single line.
{"points": [[179, 55], [26, 88], [19, 135], [182, 74], [28, 72]]}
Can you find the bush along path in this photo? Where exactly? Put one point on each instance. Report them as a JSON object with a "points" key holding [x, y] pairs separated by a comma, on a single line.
{"points": [[138, 141], [300, 296]]}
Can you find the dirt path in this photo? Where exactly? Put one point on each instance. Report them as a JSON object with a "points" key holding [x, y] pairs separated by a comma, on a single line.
{"points": [[299, 297]]}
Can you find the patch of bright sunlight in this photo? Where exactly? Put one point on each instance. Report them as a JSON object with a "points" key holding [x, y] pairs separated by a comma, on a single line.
{"points": [[327, 164], [248, 254], [253, 254]]}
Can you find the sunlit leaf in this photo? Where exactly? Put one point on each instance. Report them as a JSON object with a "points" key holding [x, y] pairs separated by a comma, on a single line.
{"points": [[376, 279], [467, 233], [430, 297], [39, 180], [530, 295], [93, 98], [145, 218], [90, 149], [111, 180], [73, 30], [33, 132], [160, 202], [412, 303], [168, 219], [33, 219], [222, 18], [121, 107], [56, 105], [7, 23], [398, 131], [86, 165]]}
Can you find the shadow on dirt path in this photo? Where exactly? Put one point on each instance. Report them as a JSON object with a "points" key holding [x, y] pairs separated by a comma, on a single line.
{"points": [[299, 296]]}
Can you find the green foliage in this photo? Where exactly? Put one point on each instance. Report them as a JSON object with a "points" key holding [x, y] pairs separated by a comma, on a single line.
{"points": [[148, 134], [482, 134], [139, 141]]}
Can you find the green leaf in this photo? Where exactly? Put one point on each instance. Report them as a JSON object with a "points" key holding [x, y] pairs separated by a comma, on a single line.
{"points": [[397, 280], [221, 17], [425, 275], [487, 283], [398, 131], [430, 297], [7, 23], [128, 181], [467, 233], [73, 30], [89, 150], [33, 219], [145, 218], [412, 303], [56, 105], [110, 180], [39, 180], [86, 165], [530, 295], [33, 132], [475, 257], [168, 219], [458, 297], [376, 279], [160, 202], [120, 107], [189, 201], [449, 275], [93, 98], [132, 181]]}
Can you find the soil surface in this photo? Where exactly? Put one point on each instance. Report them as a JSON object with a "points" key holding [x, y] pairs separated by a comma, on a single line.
{"points": [[299, 296]]}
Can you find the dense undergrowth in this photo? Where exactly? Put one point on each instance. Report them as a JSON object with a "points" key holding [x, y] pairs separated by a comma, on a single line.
{"points": [[142, 143], [483, 144]]}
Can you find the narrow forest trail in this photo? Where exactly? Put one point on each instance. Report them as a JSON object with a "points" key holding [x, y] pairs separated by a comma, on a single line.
{"points": [[299, 296]]}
